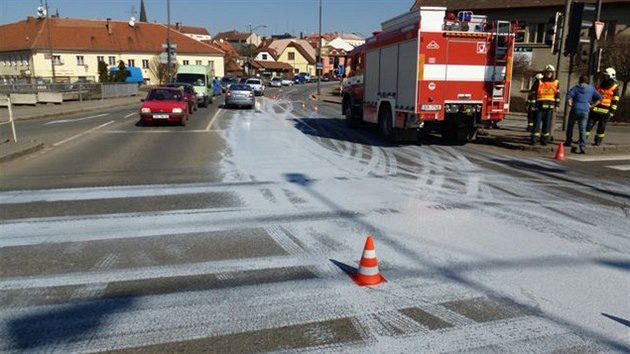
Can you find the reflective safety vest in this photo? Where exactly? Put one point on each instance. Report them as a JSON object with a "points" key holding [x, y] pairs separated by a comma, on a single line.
{"points": [[547, 90], [608, 95]]}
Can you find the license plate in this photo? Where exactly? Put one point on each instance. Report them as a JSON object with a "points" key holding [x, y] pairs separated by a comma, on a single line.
{"points": [[160, 116], [430, 107]]}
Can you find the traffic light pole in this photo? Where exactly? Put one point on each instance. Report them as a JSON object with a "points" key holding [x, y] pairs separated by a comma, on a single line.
{"points": [[593, 58], [565, 27]]}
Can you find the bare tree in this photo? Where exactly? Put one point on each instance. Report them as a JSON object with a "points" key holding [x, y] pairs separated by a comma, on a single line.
{"points": [[160, 70]]}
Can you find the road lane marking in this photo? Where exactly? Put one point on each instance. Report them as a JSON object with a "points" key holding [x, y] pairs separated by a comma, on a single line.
{"points": [[600, 158], [130, 114], [77, 119], [81, 134], [620, 167], [216, 115]]}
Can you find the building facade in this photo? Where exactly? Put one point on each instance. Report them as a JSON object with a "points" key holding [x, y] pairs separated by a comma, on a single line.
{"points": [[36, 49]]}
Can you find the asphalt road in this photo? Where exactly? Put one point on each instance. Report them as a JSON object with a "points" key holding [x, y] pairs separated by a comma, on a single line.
{"points": [[234, 234]]}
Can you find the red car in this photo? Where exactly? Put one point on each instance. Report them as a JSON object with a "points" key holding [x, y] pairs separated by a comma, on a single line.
{"points": [[164, 104]]}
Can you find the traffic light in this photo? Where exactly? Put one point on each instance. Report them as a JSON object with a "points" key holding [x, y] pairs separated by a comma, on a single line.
{"points": [[579, 29], [553, 34]]}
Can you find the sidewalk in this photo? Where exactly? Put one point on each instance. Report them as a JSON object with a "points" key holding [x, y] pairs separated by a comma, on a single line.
{"points": [[10, 150], [511, 134]]}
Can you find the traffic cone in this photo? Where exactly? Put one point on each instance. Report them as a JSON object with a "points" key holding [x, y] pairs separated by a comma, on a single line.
{"points": [[368, 273], [560, 152]]}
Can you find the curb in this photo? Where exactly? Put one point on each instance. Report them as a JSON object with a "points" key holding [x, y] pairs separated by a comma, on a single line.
{"points": [[20, 153]]}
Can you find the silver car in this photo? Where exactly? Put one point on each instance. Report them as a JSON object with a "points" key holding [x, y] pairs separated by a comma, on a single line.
{"points": [[240, 95]]}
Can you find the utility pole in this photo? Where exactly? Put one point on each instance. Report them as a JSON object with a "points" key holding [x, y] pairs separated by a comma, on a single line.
{"points": [[592, 69], [565, 29], [168, 40], [318, 68], [52, 58]]}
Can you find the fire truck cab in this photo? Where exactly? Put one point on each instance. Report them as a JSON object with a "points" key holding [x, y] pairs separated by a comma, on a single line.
{"points": [[431, 70]]}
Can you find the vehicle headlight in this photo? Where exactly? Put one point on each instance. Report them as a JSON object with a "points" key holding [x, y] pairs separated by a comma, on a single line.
{"points": [[145, 110], [177, 110]]}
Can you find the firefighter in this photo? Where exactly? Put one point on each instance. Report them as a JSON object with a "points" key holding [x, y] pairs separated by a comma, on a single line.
{"points": [[531, 108], [545, 95], [600, 114]]}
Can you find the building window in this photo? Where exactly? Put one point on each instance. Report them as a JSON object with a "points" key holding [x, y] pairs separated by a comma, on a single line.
{"points": [[145, 63], [198, 62], [186, 62], [211, 64], [536, 33], [331, 61], [57, 59], [296, 71], [80, 60], [100, 59], [112, 61], [291, 56], [131, 63], [264, 57]]}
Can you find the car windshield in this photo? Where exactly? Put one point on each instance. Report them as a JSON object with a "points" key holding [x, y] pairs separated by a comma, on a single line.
{"points": [[194, 79], [184, 88], [240, 87], [164, 95], [253, 81], [276, 79]]}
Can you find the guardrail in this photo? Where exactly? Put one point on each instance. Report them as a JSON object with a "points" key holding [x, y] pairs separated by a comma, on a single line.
{"points": [[77, 91], [7, 101]]}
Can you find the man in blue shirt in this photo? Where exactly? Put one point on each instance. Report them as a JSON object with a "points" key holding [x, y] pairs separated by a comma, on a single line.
{"points": [[581, 97]]}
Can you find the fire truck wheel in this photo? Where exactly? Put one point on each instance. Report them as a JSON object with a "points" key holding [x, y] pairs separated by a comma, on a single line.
{"points": [[351, 121], [385, 126]]}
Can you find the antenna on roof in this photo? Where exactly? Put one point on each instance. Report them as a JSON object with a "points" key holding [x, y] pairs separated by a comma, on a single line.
{"points": [[41, 10]]}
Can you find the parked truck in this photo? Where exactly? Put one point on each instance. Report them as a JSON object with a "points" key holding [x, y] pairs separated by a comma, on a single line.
{"points": [[201, 77], [431, 70]]}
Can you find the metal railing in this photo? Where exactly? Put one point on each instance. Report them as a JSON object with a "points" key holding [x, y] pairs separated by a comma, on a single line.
{"points": [[75, 91], [10, 121]]}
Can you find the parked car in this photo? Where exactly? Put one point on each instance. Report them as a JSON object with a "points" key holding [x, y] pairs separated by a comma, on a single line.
{"points": [[257, 85], [298, 79], [164, 104], [306, 76], [240, 95], [287, 82], [226, 81], [275, 82], [190, 95]]}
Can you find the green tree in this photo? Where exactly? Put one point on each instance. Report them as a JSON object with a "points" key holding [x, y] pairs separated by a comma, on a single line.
{"points": [[103, 73], [121, 74]]}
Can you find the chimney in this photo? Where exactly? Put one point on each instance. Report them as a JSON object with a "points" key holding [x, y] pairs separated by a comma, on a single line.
{"points": [[301, 35], [178, 25], [109, 25]]}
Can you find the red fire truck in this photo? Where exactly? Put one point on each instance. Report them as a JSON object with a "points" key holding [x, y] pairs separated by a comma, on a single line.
{"points": [[431, 70]]}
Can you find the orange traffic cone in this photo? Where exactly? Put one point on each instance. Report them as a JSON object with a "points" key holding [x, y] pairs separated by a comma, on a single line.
{"points": [[560, 152], [368, 273]]}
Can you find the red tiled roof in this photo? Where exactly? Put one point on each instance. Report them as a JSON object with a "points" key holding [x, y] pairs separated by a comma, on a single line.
{"points": [[271, 65], [94, 35], [226, 47], [302, 51], [191, 30], [233, 36]]}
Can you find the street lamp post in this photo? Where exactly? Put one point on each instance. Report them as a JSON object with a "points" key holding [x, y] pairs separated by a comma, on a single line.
{"points": [[168, 41], [249, 56]]}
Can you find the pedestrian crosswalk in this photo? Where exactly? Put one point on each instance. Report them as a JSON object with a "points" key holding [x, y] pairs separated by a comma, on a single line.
{"points": [[621, 162]]}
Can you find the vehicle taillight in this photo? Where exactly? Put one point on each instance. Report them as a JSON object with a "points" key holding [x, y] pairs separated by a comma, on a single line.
{"points": [[251, 94], [229, 94]]}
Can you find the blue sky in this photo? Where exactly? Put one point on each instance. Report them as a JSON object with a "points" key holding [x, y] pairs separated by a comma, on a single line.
{"points": [[280, 16]]}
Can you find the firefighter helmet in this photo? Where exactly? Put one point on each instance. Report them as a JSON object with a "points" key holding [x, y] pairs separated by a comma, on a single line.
{"points": [[550, 68], [539, 76], [610, 72]]}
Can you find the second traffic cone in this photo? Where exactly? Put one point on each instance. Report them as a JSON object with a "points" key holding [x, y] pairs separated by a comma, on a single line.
{"points": [[368, 273], [560, 152]]}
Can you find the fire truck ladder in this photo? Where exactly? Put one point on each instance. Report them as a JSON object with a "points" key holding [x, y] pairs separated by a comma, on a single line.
{"points": [[503, 29]]}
